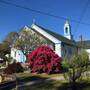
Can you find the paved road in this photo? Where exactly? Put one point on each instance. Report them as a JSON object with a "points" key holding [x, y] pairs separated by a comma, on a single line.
{"points": [[21, 82], [8, 86], [27, 81]]}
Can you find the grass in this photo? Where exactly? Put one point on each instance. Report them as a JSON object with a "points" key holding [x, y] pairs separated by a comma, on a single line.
{"points": [[56, 85], [82, 84], [43, 75], [52, 84]]}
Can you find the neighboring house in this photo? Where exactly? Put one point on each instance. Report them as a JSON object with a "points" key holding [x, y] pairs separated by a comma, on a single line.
{"points": [[85, 45], [88, 50], [18, 55], [62, 45]]}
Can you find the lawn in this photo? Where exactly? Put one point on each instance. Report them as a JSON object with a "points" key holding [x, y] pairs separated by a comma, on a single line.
{"points": [[51, 84]]}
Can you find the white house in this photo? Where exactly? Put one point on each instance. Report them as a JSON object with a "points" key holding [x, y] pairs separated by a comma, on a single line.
{"points": [[85, 45], [62, 45], [18, 55], [88, 50]]}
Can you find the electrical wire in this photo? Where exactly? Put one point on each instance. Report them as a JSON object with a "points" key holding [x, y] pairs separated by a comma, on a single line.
{"points": [[43, 13], [82, 15]]}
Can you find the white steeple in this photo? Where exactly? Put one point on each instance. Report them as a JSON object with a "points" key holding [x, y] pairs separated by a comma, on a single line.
{"points": [[67, 30]]}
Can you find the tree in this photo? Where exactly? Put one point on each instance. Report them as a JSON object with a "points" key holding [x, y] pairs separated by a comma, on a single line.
{"points": [[4, 50], [29, 40], [5, 53], [6, 45], [44, 60], [11, 38], [76, 65]]}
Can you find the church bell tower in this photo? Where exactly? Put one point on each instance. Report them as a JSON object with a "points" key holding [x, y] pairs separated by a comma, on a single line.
{"points": [[67, 30]]}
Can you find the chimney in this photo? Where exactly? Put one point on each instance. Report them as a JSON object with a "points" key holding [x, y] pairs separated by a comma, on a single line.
{"points": [[81, 38]]}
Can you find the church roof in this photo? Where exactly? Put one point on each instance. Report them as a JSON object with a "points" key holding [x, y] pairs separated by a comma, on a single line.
{"points": [[58, 36], [84, 44]]}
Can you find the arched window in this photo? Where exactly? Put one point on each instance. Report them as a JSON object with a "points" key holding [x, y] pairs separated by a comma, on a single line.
{"points": [[66, 29]]}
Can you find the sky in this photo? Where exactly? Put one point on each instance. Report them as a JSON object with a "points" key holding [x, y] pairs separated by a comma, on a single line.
{"points": [[13, 18]]}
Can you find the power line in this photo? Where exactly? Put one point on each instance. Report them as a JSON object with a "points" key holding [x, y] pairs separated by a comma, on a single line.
{"points": [[84, 10], [40, 12], [82, 15]]}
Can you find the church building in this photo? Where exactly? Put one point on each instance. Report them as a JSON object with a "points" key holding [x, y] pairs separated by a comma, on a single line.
{"points": [[62, 45]]}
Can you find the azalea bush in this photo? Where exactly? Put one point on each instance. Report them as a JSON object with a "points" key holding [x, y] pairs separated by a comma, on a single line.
{"points": [[13, 68], [44, 60]]}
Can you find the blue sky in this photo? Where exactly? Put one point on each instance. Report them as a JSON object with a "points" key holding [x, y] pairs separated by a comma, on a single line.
{"points": [[13, 18]]}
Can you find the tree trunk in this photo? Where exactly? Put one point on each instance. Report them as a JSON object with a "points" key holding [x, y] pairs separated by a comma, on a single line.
{"points": [[74, 85], [73, 80]]}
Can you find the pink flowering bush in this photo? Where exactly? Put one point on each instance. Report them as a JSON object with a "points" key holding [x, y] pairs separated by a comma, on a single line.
{"points": [[44, 60]]}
